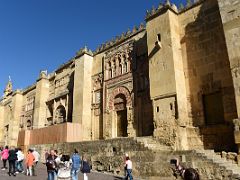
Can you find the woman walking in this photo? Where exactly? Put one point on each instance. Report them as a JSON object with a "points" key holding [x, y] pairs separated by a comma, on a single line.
{"points": [[64, 168], [5, 154]]}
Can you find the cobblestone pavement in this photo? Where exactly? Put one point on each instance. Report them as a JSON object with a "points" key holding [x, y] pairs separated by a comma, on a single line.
{"points": [[42, 175]]}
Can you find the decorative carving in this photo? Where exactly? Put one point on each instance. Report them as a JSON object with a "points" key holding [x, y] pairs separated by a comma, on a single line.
{"points": [[115, 92], [118, 61], [62, 81], [30, 103], [97, 112], [97, 81]]}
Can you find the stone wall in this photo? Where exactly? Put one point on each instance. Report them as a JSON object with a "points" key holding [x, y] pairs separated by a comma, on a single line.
{"points": [[230, 15], [207, 72], [108, 156]]}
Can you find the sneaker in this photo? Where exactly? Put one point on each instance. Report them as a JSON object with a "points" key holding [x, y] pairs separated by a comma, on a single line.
{"points": [[17, 172], [3, 168]]}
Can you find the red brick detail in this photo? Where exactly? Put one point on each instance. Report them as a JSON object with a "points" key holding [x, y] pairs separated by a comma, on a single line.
{"points": [[117, 91]]}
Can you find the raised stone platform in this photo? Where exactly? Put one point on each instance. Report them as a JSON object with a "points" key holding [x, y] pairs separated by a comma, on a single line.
{"points": [[149, 161]]}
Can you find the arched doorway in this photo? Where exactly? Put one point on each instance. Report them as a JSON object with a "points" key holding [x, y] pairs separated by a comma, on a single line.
{"points": [[121, 112], [60, 116]]}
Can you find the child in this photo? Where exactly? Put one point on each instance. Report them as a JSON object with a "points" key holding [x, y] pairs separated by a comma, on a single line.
{"points": [[85, 168], [29, 162]]}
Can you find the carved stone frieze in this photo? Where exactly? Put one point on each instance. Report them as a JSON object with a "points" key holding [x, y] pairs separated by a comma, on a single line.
{"points": [[118, 61], [97, 81]]}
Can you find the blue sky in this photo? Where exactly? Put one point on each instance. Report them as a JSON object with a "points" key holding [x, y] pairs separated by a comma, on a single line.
{"points": [[42, 34]]}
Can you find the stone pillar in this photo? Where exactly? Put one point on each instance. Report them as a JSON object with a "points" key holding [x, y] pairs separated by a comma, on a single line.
{"points": [[42, 94], [82, 91], [181, 85], [130, 128], [167, 81], [15, 111]]}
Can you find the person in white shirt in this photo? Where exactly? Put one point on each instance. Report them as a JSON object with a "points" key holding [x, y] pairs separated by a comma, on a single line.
{"points": [[20, 158], [36, 157], [125, 167], [129, 168]]}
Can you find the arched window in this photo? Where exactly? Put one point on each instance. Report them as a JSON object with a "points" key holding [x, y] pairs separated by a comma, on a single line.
{"points": [[60, 116]]}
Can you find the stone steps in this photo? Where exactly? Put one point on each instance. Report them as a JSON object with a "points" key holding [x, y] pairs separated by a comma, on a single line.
{"points": [[221, 162], [152, 144]]}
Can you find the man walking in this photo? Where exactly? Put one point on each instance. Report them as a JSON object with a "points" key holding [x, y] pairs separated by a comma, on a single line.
{"points": [[12, 161], [76, 165], [129, 168]]}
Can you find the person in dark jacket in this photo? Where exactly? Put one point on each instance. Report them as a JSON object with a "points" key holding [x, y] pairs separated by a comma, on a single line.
{"points": [[85, 168], [51, 166], [12, 158]]}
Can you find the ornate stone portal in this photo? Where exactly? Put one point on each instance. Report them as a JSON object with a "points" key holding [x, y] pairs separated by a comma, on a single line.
{"points": [[119, 92]]}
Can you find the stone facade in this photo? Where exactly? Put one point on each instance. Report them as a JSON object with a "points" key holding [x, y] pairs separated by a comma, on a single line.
{"points": [[175, 78]]}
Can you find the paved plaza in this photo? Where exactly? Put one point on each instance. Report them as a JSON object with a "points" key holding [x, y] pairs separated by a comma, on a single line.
{"points": [[42, 175]]}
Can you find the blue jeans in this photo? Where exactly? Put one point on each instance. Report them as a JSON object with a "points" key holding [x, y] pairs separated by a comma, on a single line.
{"points": [[74, 173], [19, 166], [129, 174], [52, 175]]}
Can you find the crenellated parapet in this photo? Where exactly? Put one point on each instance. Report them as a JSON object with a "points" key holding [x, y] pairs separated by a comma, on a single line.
{"points": [[83, 51], [163, 7], [190, 4], [120, 38]]}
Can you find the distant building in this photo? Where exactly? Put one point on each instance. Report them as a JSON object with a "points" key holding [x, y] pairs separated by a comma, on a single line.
{"points": [[177, 79]]}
